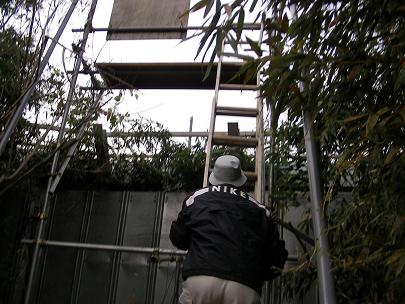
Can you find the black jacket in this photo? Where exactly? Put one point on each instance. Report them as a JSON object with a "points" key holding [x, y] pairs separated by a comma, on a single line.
{"points": [[229, 235]]}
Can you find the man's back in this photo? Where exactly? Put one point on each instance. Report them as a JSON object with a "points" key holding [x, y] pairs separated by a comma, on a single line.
{"points": [[232, 243], [228, 235]]}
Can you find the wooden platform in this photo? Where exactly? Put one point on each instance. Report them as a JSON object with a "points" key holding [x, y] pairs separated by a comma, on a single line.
{"points": [[166, 75]]}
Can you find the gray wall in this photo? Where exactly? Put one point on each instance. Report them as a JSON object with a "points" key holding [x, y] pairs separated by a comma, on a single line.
{"points": [[141, 219], [69, 275]]}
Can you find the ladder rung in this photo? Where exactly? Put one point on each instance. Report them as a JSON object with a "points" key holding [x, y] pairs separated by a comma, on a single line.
{"points": [[251, 176], [240, 42], [234, 111], [237, 55], [234, 141], [232, 86]]}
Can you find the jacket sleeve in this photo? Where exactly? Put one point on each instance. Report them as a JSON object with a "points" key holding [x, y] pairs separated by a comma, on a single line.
{"points": [[180, 235], [276, 252]]}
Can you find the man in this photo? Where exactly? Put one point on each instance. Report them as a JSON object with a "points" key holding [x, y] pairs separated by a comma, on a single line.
{"points": [[233, 246]]}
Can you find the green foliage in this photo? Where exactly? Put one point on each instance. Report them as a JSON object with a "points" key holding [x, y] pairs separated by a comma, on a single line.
{"points": [[12, 50], [144, 160], [290, 161], [12, 55], [344, 62]]}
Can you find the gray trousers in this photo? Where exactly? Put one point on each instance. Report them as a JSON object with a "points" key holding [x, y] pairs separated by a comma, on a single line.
{"points": [[212, 290]]}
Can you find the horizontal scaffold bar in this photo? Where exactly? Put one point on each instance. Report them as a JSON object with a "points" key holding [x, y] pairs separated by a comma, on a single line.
{"points": [[132, 249], [137, 134], [159, 29], [105, 247]]}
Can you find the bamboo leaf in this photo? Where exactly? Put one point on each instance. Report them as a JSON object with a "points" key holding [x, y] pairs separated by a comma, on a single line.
{"points": [[250, 73], [235, 4], [209, 45], [400, 80], [199, 5], [255, 46], [239, 27], [252, 7], [202, 42], [208, 32], [233, 43], [208, 7], [390, 156], [353, 118], [371, 122], [395, 256], [402, 113], [285, 24], [218, 6], [354, 72], [400, 267], [209, 68], [383, 110]]}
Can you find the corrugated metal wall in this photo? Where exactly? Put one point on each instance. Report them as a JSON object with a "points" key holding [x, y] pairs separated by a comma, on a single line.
{"points": [[70, 275], [141, 219]]}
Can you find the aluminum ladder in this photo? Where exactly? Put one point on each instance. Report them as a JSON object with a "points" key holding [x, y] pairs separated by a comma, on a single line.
{"points": [[256, 142]]}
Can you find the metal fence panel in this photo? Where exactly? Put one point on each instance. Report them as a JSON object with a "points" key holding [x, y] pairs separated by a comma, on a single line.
{"points": [[97, 265], [172, 206], [139, 229], [168, 272], [140, 219], [58, 268]]}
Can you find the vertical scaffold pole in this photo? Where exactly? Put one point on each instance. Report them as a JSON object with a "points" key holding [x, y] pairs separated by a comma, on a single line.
{"points": [[325, 278], [26, 97], [44, 209], [190, 129]]}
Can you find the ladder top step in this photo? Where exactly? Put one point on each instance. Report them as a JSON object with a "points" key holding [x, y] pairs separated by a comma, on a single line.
{"points": [[237, 141], [235, 111], [231, 86]]}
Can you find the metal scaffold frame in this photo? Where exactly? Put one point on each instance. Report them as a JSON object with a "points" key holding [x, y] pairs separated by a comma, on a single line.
{"points": [[55, 175], [326, 284]]}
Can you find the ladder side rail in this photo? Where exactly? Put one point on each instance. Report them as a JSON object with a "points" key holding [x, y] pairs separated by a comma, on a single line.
{"points": [[212, 119], [259, 163]]}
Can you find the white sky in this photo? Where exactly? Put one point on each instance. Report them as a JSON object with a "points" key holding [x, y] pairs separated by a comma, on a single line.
{"points": [[172, 108]]}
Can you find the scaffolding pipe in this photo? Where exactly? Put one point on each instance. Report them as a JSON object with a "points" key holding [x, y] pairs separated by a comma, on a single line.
{"points": [[44, 208], [190, 131], [105, 247], [260, 187], [129, 249], [161, 29], [153, 133], [325, 278], [69, 154], [73, 147], [26, 97]]}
